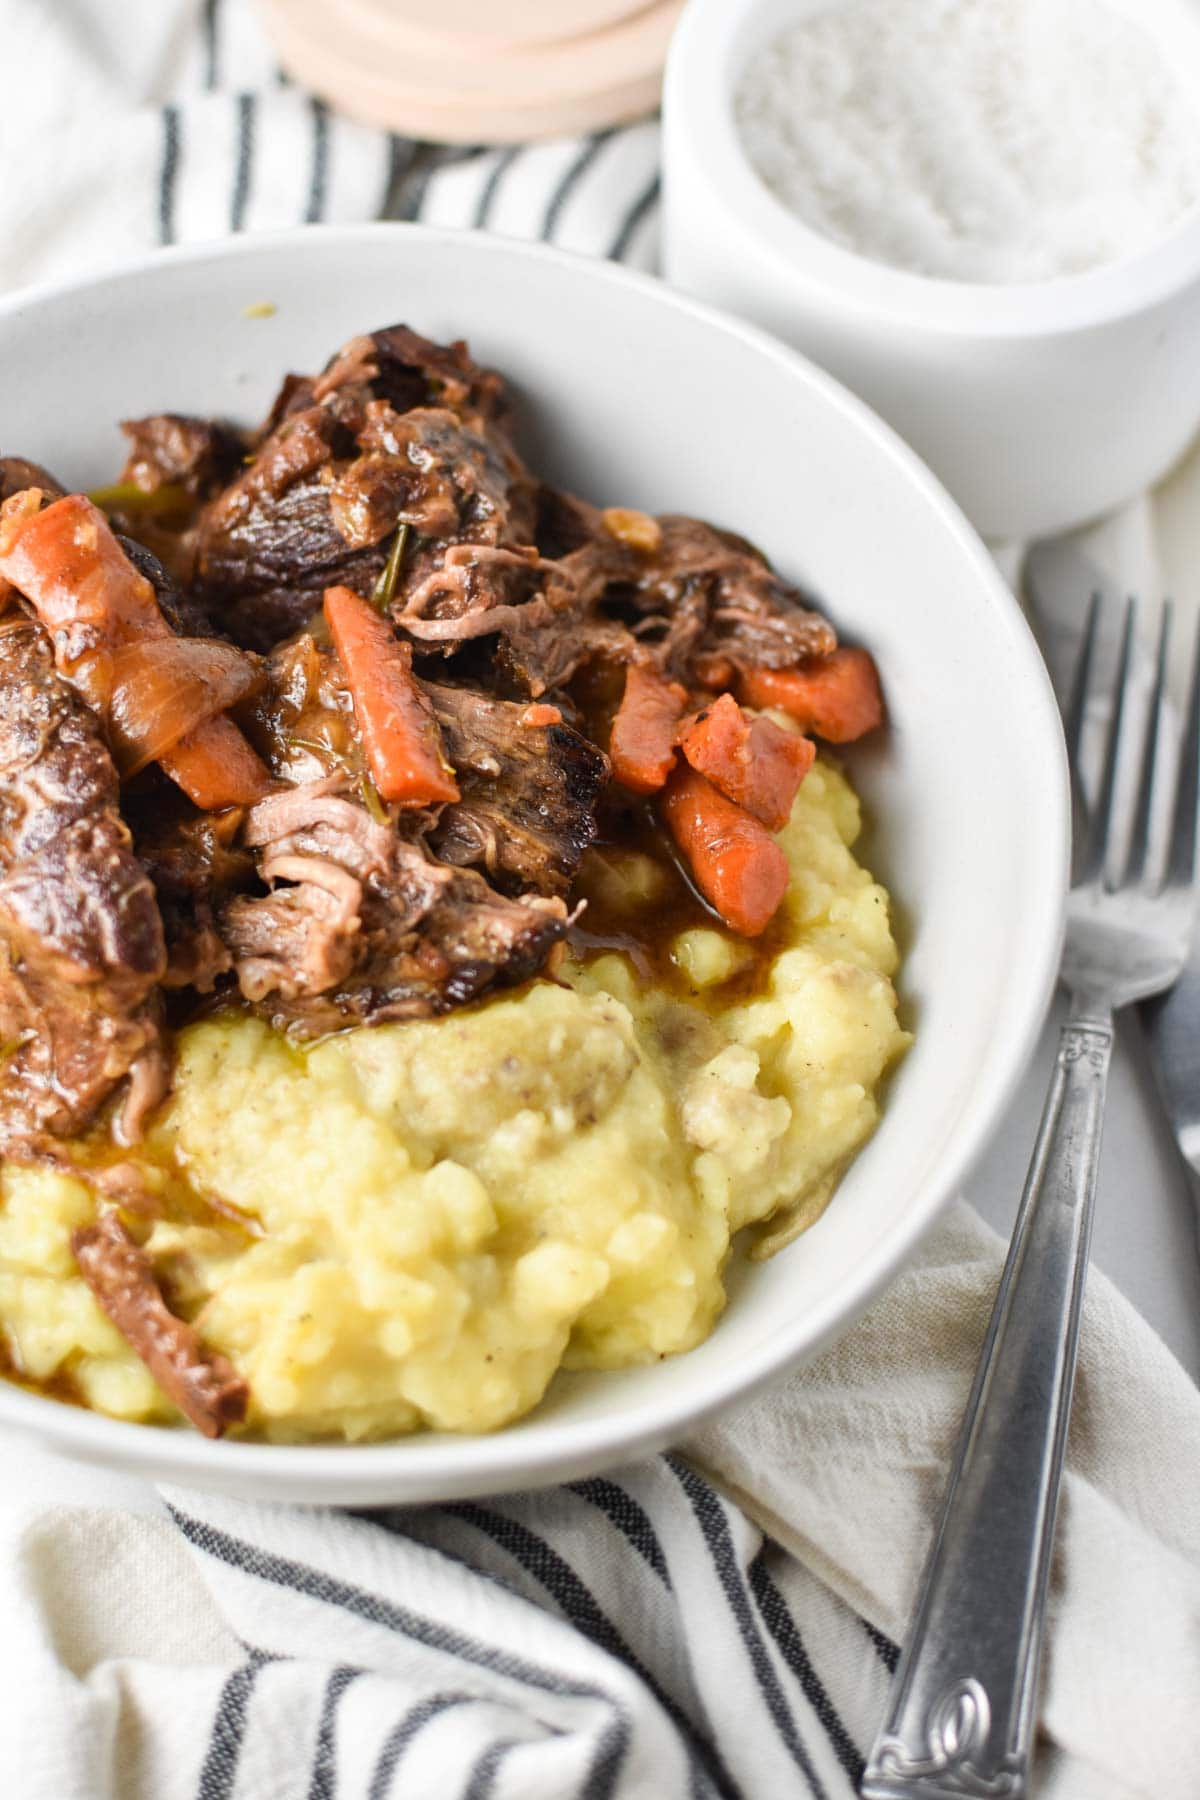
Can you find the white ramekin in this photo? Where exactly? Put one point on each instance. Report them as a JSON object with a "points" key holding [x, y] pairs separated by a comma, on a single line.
{"points": [[1040, 405]]}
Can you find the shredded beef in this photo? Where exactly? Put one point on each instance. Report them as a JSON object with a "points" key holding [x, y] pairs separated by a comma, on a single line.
{"points": [[303, 716], [412, 371], [175, 464], [562, 522], [361, 924], [175, 450], [299, 940], [272, 526], [317, 820], [395, 431], [81, 942], [193, 863], [17, 474], [522, 605], [396, 364], [701, 593], [203, 1384], [529, 793], [180, 606], [432, 938], [435, 938]]}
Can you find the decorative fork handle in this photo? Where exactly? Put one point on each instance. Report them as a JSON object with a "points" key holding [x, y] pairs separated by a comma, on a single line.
{"points": [[960, 1717]]}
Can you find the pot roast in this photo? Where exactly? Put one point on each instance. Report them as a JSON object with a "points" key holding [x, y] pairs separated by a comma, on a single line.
{"points": [[320, 721]]}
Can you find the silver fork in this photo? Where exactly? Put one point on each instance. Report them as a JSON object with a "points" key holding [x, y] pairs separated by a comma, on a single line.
{"points": [[961, 1712]]}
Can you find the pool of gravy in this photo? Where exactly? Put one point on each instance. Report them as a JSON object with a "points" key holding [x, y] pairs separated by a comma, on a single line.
{"points": [[646, 933]]}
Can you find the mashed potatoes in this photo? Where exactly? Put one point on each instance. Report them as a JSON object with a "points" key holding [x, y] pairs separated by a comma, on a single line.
{"points": [[438, 1215]]}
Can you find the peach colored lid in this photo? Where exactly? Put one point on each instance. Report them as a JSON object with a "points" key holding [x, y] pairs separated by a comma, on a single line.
{"points": [[506, 24], [364, 58]]}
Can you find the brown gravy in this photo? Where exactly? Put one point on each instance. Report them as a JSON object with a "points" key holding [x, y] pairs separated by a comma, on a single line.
{"points": [[646, 933], [59, 1386]]}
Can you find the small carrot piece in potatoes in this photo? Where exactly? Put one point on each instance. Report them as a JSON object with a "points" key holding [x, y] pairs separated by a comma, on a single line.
{"points": [[735, 862], [400, 736], [67, 562], [838, 697], [754, 762], [642, 746]]}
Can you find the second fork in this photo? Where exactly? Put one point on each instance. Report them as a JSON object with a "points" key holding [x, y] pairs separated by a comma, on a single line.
{"points": [[960, 1718]]}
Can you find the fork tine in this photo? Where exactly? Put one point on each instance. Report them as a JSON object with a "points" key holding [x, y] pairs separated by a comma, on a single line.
{"points": [[1139, 843], [1100, 821], [1077, 705], [1181, 867]]}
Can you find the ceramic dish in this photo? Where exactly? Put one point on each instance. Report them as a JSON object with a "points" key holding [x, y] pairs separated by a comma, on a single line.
{"points": [[1040, 405], [643, 395]]}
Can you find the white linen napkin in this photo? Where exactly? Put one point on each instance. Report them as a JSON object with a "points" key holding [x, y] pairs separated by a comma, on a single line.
{"points": [[720, 1622]]}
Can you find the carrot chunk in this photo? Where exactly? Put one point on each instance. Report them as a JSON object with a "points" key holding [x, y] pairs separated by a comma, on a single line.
{"points": [[838, 697], [713, 672], [216, 768], [67, 562], [754, 762], [401, 738], [736, 863], [642, 747]]}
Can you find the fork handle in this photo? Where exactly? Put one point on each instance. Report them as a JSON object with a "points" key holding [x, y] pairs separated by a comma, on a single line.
{"points": [[960, 1717]]}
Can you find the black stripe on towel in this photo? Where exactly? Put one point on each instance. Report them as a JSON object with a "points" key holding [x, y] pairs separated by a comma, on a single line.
{"points": [[401, 154], [644, 204], [491, 187], [168, 174], [887, 1652], [244, 162], [319, 175], [570, 181], [580, 1606], [715, 1529], [323, 1785], [427, 160], [402, 1734], [777, 1617], [483, 1775], [219, 1771], [612, 1742], [630, 1518], [209, 28], [401, 1522]]}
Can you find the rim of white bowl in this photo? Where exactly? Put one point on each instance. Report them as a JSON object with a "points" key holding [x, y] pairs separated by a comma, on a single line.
{"points": [[425, 1466], [706, 55]]}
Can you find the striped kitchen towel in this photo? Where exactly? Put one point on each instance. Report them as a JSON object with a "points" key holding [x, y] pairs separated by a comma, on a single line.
{"points": [[169, 121], [717, 1623], [720, 1622]]}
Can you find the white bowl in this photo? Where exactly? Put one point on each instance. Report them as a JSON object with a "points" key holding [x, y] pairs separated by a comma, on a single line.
{"points": [[1040, 405], [636, 395]]}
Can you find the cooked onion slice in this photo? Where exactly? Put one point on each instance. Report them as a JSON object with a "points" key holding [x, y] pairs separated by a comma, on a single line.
{"points": [[163, 688]]}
